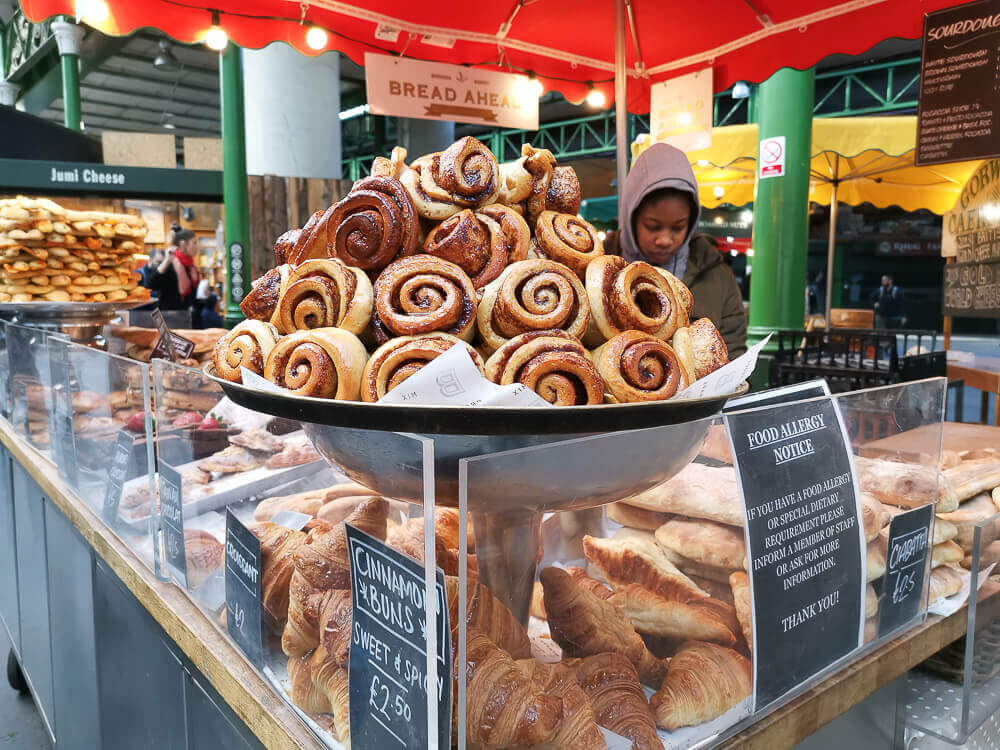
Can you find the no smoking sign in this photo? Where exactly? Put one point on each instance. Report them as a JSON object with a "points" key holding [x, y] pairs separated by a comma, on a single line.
{"points": [[772, 157]]}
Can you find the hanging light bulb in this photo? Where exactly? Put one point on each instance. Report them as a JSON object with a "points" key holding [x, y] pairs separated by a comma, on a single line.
{"points": [[718, 191], [215, 37], [92, 12], [316, 38], [596, 98], [533, 86]]}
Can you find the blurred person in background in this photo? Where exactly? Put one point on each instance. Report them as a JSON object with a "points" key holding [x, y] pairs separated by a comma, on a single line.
{"points": [[149, 270], [177, 277], [204, 312], [888, 303]]}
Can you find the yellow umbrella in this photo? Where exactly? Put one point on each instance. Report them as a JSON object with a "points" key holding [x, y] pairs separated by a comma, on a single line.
{"points": [[854, 160]]}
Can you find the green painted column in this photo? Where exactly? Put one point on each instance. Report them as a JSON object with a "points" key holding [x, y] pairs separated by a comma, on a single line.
{"points": [[784, 106], [234, 182], [68, 39]]}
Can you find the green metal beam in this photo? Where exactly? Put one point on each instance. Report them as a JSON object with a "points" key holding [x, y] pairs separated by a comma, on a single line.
{"points": [[234, 182], [71, 91]]}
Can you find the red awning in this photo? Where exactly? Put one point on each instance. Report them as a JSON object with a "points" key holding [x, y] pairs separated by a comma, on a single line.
{"points": [[566, 42]]}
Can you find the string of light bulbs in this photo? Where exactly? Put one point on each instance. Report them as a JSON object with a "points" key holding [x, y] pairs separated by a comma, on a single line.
{"points": [[317, 38]]}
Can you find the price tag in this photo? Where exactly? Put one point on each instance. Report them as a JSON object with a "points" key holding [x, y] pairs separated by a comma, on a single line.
{"points": [[388, 661], [243, 574], [117, 474], [906, 565], [172, 514], [805, 543], [170, 345], [61, 414]]}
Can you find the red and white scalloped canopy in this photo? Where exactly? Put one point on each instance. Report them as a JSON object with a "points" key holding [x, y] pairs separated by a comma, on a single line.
{"points": [[567, 43]]}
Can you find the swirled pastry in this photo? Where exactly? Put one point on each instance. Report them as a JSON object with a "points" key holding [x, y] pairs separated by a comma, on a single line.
{"points": [[482, 243], [639, 367], [537, 184], [312, 241], [532, 295], [551, 363], [683, 294], [393, 166], [630, 296], [710, 351], [262, 301], [247, 345], [423, 294], [401, 357], [284, 244], [567, 239], [464, 175], [325, 294], [323, 362]]}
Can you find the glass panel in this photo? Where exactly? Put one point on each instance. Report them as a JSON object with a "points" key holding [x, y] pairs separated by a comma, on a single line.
{"points": [[5, 389], [28, 357]]}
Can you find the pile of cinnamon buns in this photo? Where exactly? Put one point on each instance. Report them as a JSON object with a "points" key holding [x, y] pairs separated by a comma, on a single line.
{"points": [[456, 249]]}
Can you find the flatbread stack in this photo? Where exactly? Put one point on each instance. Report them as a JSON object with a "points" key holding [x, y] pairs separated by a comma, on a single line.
{"points": [[52, 254]]}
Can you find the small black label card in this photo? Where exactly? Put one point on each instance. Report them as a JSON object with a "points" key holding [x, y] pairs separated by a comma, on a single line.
{"points": [[243, 574], [388, 665], [906, 565], [121, 459], [61, 414], [806, 547], [170, 345], [172, 514]]}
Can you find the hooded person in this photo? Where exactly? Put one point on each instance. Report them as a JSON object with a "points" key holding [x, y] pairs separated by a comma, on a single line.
{"points": [[661, 210]]}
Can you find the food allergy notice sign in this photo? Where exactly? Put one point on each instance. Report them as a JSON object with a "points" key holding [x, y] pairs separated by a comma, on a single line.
{"points": [[959, 100], [804, 540]]}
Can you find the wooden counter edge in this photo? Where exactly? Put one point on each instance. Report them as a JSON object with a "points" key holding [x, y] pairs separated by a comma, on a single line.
{"points": [[273, 722]]}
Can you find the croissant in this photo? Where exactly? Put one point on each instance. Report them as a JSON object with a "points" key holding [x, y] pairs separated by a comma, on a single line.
{"points": [[532, 295], [323, 362], [485, 613], [408, 538], [481, 243], [283, 246], [331, 680], [304, 693], [637, 366], [635, 560], [262, 301], [246, 345], [612, 685], [322, 559], [653, 615], [703, 681], [503, 706], [325, 294], [583, 624], [335, 626], [567, 239], [423, 294], [399, 358], [630, 296], [578, 728], [551, 363], [592, 585], [464, 175], [277, 545], [305, 603]]}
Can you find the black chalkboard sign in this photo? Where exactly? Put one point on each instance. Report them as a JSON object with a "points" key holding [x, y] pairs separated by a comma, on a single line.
{"points": [[388, 663], [172, 515], [61, 411], [170, 345], [805, 540], [783, 395], [243, 575], [121, 459], [972, 290], [907, 558], [959, 99]]}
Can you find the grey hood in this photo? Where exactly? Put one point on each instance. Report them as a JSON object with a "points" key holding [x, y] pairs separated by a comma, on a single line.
{"points": [[659, 166]]}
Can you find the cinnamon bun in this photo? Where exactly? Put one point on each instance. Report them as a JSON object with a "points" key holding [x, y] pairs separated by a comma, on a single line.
{"points": [[482, 243], [246, 345], [464, 175], [532, 295], [262, 301], [423, 294], [399, 358], [537, 183], [323, 362], [567, 239], [710, 351], [630, 296], [639, 367], [551, 363], [325, 294], [284, 244]]}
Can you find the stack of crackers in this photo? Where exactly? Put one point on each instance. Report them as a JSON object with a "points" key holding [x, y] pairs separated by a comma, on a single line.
{"points": [[53, 254]]}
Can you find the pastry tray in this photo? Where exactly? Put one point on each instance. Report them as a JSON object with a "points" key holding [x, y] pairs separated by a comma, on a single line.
{"points": [[229, 488]]}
